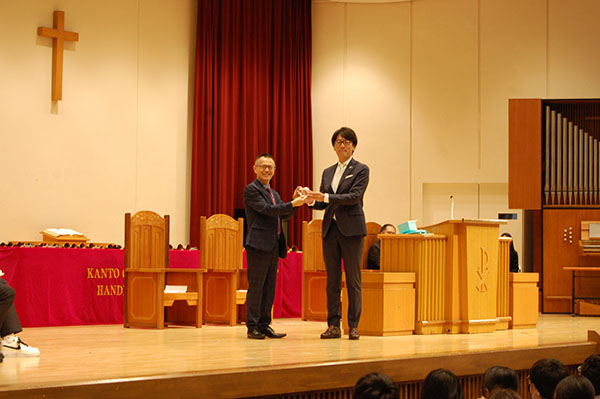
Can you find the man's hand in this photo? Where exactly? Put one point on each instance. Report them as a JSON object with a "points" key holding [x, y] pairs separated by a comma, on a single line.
{"points": [[298, 201], [315, 196]]}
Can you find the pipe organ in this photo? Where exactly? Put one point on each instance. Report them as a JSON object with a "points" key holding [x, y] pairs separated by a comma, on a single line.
{"points": [[571, 149], [554, 176]]}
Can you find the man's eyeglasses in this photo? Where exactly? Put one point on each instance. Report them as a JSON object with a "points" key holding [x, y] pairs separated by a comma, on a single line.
{"points": [[267, 167], [344, 142]]}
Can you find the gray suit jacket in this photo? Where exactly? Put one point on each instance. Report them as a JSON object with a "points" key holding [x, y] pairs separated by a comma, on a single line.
{"points": [[262, 218], [347, 202]]}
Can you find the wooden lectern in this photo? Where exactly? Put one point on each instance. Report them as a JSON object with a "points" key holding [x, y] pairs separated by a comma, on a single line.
{"points": [[63, 236], [423, 257], [471, 274]]}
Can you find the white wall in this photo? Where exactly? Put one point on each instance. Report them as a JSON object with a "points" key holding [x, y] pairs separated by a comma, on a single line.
{"points": [[426, 84], [119, 140]]}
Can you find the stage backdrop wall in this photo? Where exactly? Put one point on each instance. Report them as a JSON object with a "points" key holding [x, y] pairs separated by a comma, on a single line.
{"points": [[426, 86], [424, 83], [119, 140]]}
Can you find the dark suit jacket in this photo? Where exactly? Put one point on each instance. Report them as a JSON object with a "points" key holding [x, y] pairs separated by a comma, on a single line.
{"points": [[373, 259], [347, 203], [262, 216]]}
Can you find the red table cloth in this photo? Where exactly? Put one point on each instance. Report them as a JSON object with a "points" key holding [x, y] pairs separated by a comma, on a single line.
{"points": [[77, 286]]}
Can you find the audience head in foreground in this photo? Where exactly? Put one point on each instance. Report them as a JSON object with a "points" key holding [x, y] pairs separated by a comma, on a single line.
{"points": [[544, 376], [376, 386], [590, 369], [441, 384], [499, 377], [504, 393], [574, 387]]}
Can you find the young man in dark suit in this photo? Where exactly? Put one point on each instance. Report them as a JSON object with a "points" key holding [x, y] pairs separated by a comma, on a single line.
{"points": [[265, 244], [341, 193]]}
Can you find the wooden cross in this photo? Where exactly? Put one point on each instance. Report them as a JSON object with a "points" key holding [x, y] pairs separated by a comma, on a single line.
{"points": [[58, 35]]}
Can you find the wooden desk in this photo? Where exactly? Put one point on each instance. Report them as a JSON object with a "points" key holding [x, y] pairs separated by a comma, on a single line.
{"points": [[574, 270], [388, 303], [524, 300], [461, 276]]}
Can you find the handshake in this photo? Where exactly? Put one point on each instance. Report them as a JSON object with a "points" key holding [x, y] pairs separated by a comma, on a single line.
{"points": [[304, 195]]}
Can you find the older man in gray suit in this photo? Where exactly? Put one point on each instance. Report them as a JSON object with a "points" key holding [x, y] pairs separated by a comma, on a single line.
{"points": [[265, 244], [343, 187]]}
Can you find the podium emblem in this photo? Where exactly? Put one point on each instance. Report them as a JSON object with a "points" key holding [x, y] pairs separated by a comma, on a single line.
{"points": [[482, 271]]}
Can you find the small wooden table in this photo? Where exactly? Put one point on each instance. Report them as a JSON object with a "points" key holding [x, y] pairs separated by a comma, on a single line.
{"points": [[574, 270]]}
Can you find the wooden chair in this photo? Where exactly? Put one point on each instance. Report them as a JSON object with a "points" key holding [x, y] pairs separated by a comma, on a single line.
{"points": [[373, 230], [240, 296], [314, 276], [147, 273], [221, 250]]}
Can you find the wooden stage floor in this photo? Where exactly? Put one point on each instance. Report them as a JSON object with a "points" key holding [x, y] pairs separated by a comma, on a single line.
{"points": [[217, 361]]}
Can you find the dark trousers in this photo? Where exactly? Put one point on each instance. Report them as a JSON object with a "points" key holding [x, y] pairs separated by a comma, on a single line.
{"points": [[262, 277], [9, 321], [335, 248]]}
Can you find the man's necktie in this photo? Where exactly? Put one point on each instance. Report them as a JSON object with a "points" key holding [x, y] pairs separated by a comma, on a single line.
{"points": [[274, 203]]}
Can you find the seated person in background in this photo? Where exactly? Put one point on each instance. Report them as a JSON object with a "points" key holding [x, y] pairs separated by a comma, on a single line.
{"points": [[12, 346], [499, 377], [376, 386], [574, 387], [503, 393], [544, 376], [590, 369], [514, 255], [441, 384], [374, 251]]}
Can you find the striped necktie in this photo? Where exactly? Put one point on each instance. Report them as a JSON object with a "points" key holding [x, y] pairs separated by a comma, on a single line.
{"points": [[274, 203]]}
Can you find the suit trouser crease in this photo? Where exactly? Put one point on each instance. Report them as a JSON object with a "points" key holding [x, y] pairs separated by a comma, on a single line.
{"points": [[335, 248], [262, 278]]}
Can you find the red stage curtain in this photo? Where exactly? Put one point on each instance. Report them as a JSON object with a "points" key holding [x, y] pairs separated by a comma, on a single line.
{"points": [[252, 95]]}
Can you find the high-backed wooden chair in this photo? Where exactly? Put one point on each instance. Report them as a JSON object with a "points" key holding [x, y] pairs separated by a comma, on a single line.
{"points": [[221, 250], [370, 239], [147, 274], [314, 276]]}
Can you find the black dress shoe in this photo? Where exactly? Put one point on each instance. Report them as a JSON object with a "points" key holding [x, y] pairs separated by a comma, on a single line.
{"points": [[268, 331], [353, 334], [254, 333], [332, 332]]}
